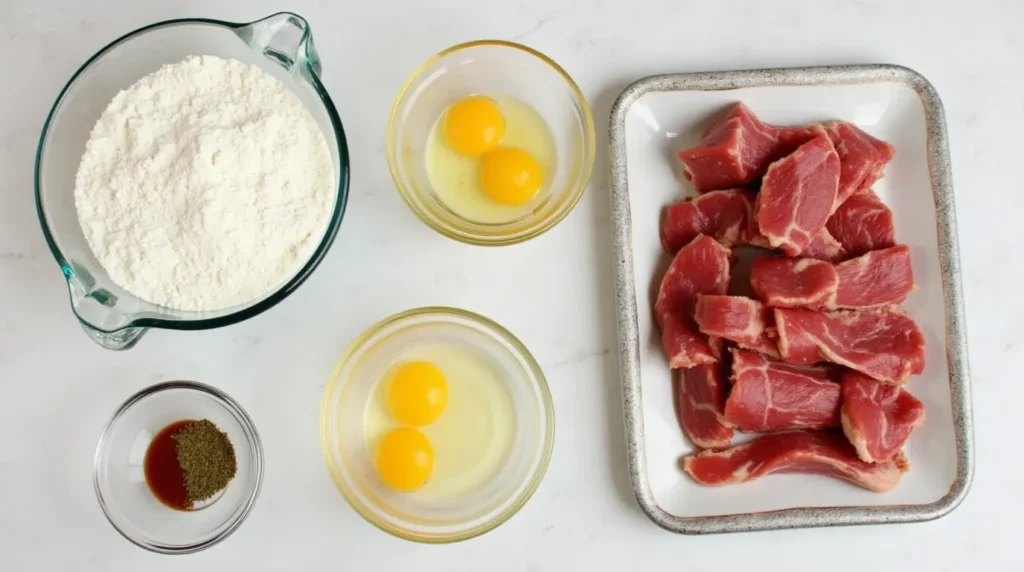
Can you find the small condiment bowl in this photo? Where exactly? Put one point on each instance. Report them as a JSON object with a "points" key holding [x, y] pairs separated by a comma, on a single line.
{"points": [[491, 67], [119, 477], [350, 457]]}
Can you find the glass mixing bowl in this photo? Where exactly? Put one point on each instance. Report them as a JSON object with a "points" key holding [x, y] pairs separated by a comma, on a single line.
{"points": [[471, 512], [491, 67], [119, 475], [280, 45]]}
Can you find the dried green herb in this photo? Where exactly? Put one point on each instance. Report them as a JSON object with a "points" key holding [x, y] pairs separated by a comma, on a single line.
{"points": [[207, 458]]}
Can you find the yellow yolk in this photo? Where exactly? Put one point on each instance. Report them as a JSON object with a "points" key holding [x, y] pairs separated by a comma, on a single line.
{"points": [[510, 176], [473, 438], [405, 459], [474, 125], [418, 393], [455, 178]]}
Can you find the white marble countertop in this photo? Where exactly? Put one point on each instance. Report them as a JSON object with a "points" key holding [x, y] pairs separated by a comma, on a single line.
{"points": [[57, 388]]}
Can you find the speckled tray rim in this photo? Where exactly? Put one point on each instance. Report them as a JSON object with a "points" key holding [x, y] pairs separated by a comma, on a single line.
{"points": [[949, 260]]}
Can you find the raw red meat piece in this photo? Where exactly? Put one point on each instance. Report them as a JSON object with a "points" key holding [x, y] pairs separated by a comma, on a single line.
{"points": [[726, 216], [882, 343], [758, 239], [878, 278], [861, 156], [863, 223], [700, 400], [717, 346], [797, 195], [794, 282], [773, 396], [701, 267], [878, 417], [742, 320], [815, 452], [825, 247], [737, 150]]}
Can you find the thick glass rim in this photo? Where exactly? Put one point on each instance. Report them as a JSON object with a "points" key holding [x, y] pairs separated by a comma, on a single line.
{"points": [[252, 438], [319, 253], [548, 413], [542, 225]]}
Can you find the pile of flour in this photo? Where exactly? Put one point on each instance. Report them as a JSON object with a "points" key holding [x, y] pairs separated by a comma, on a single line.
{"points": [[204, 185]]}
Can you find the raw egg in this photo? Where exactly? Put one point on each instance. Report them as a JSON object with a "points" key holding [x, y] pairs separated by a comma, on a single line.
{"points": [[510, 176], [474, 125], [456, 178], [405, 459], [473, 437], [418, 393]]}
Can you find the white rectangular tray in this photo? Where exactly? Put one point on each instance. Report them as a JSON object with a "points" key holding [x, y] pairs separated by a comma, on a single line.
{"points": [[655, 117]]}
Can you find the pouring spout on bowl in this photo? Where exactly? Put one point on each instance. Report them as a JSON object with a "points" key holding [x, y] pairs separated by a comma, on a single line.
{"points": [[100, 317], [283, 37], [120, 340]]}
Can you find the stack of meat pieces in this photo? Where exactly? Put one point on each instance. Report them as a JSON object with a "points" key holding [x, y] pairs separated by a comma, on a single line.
{"points": [[818, 359]]}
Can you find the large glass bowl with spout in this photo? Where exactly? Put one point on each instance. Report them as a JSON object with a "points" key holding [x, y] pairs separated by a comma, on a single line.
{"points": [[281, 45]]}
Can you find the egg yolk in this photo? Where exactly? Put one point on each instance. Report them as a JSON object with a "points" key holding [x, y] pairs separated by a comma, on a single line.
{"points": [[405, 459], [473, 126], [418, 393], [510, 176]]}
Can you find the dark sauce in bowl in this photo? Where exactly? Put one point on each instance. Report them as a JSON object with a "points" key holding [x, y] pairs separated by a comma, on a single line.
{"points": [[164, 476]]}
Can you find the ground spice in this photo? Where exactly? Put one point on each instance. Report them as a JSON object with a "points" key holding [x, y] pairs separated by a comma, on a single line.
{"points": [[206, 457]]}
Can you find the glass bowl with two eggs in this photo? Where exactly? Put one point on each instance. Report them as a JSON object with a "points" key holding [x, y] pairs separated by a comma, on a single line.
{"points": [[491, 143], [437, 425]]}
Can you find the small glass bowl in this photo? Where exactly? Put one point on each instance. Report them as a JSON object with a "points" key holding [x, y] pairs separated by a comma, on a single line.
{"points": [[491, 67], [407, 515], [120, 481]]}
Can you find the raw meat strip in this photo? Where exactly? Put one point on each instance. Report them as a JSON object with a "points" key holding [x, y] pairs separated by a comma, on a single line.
{"points": [[882, 343], [701, 267], [717, 346], [737, 150], [878, 417], [742, 320], [794, 282], [797, 195], [773, 396], [825, 247], [863, 223], [878, 278], [726, 216], [700, 400], [862, 158], [815, 452]]}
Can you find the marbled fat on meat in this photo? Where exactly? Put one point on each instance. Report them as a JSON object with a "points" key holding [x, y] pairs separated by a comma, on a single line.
{"points": [[862, 158], [825, 247], [797, 195], [773, 396], [876, 279], [809, 452], [738, 319], [727, 216], [877, 417], [794, 282], [737, 150], [700, 402], [700, 267], [862, 223], [882, 343]]}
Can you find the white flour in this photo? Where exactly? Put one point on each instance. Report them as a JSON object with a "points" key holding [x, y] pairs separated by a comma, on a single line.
{"points": [[204, 185]]}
